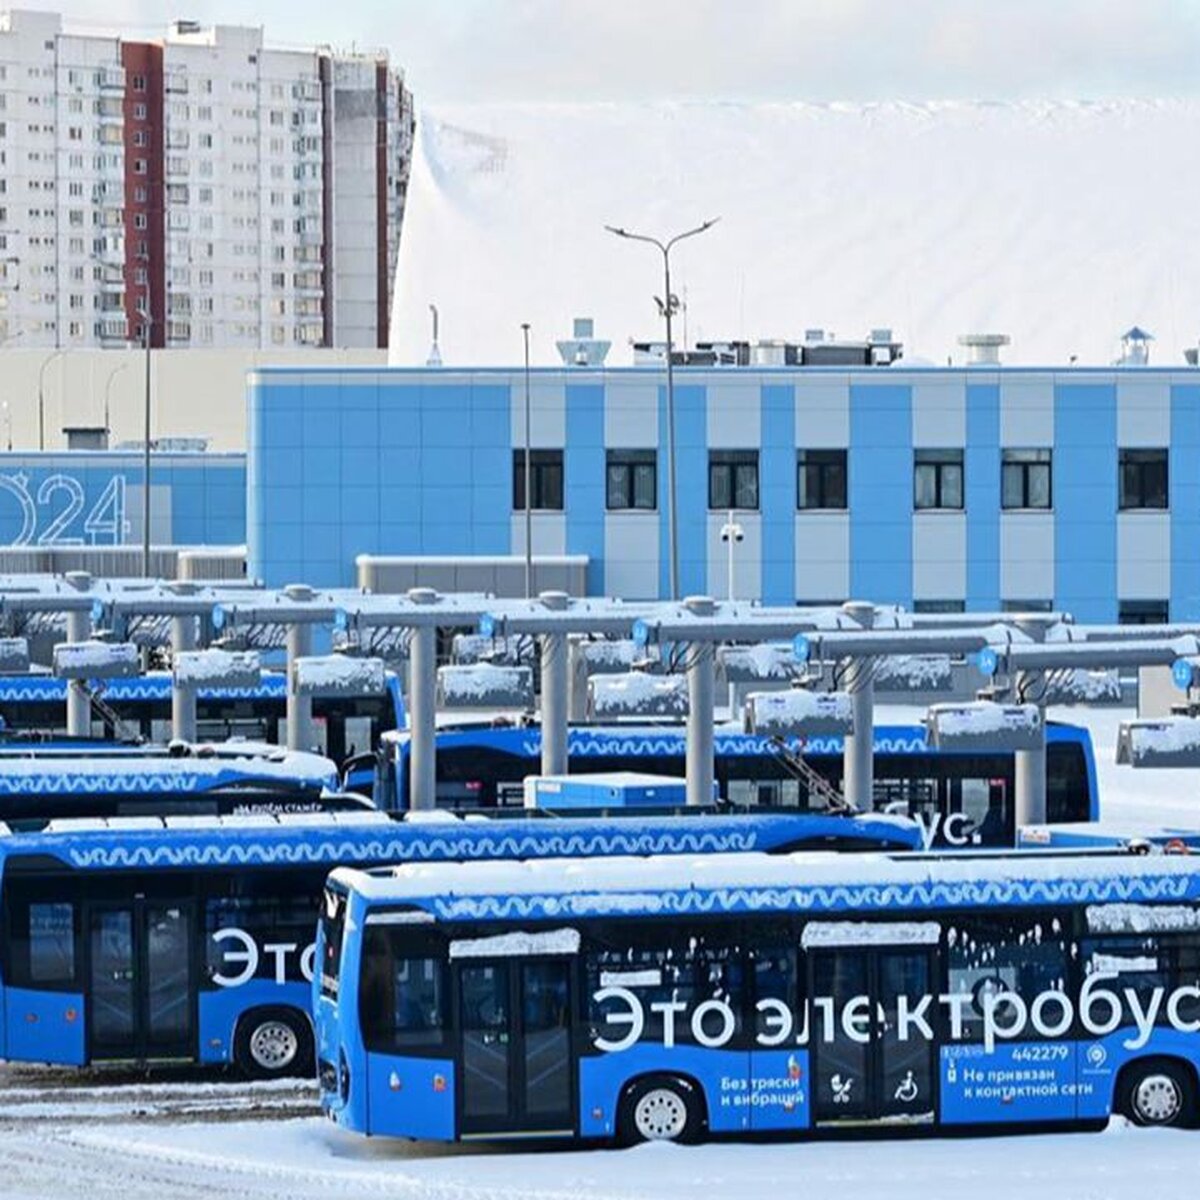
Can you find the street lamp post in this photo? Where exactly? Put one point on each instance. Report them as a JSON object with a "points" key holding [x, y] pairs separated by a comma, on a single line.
{"points": [[667, 307], [147, 320], [42, 396], [107, 390], [528, 475], [731, 533], [8, 425]]}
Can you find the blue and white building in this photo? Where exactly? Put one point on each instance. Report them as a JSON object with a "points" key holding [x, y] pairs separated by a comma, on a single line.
{"points": [[975, 487]]}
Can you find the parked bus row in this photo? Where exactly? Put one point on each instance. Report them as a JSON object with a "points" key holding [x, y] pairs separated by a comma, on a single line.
{"points": [[960, 799], [190, 939]]}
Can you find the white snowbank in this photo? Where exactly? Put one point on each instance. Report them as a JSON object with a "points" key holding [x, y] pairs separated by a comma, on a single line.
{"points": [[310, 1159], [1056, 222]]}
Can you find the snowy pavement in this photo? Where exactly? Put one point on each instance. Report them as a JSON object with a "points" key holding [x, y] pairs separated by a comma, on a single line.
{"points": [[104, 1137], [307, 1157]]}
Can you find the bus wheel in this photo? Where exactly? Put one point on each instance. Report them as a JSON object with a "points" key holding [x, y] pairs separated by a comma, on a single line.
{"points": [[1158, 1092], [273, 1042], [664, 1108]]}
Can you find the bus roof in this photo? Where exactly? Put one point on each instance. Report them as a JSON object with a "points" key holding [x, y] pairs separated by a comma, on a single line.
{"points": [[167, 843], [584, 741], [758, 883], [122, 770]]}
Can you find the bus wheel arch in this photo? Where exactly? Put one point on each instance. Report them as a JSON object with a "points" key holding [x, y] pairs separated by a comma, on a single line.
{"points": [[274, 1041], [662, 1106], [1160, 1090]]}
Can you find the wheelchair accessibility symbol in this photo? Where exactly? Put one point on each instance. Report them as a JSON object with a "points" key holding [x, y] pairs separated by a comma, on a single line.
{"points": [[907, 1090]]}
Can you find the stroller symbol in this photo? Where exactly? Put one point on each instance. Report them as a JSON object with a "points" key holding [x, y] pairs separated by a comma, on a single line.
{"points": [[907, 1090], [841, 1089]]}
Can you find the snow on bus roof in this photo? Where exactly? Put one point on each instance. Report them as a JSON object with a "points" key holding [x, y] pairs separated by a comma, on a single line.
{"points": [[50, 773], [806, 880]]}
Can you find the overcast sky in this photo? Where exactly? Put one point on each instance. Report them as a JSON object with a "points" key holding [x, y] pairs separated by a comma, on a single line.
{"points": [[513, 50]]}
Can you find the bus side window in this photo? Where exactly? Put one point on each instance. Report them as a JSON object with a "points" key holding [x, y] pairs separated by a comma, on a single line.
{"points": [[43, 944], [775, 982], [1026, 954], [1066, 783], [1187, 974]]}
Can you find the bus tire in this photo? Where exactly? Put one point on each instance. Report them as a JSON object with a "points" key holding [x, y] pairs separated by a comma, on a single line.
{"points": [[273, 1043], [1158, 1092], [661, 1108]]}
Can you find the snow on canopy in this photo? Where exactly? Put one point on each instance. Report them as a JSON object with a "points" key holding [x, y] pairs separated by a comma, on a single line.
{"points": [[936, 219]]}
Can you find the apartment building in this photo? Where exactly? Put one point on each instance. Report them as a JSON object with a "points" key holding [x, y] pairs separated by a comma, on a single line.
{"points": [[248, 197]]}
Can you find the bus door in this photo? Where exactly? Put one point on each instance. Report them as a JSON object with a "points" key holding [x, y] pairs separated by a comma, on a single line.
{"points": [[870, 1027], [141, 980], [516, 1073]]}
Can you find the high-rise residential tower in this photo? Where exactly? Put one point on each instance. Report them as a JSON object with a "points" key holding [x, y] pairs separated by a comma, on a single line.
{"points": [[253, 196]]}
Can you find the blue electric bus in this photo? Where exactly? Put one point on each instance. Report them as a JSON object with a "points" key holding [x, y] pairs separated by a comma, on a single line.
{"points": [[961, 799], [679, 998], [41, 782], [190, 939], [140, 709]]}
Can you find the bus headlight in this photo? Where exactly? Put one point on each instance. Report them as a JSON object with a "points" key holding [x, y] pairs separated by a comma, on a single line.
{"points": [[343, 1077]]}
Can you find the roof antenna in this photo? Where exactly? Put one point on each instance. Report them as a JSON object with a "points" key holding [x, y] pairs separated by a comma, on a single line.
{"points": [[435, 355]]}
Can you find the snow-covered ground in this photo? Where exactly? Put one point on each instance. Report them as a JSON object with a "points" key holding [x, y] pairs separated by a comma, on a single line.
{"points": [[63, 1136], [1060, 223]]}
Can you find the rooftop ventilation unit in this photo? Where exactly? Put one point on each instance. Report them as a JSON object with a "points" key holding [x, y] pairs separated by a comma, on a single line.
{"points": [[583, 348], [983, 349], [1135, 348]]}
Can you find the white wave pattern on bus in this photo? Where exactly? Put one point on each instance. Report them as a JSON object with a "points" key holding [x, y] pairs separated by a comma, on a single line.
{"points": [[840, 897], [433, 849]]}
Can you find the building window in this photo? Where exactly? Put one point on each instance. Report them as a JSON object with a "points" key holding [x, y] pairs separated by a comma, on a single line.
{"points": [[631, 480], [1025, 479], [1143, 479], [732, 479], [1026, 606], [821, 479], [1143, 612], [139, 166], [938, 479], [939, 606], [546, 479], [139, 83]]}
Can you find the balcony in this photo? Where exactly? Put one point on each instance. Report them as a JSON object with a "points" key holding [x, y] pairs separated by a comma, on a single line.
{"points": [[177, 167], [112, 79], [176, 83], [111, 329], [178, 139]]}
